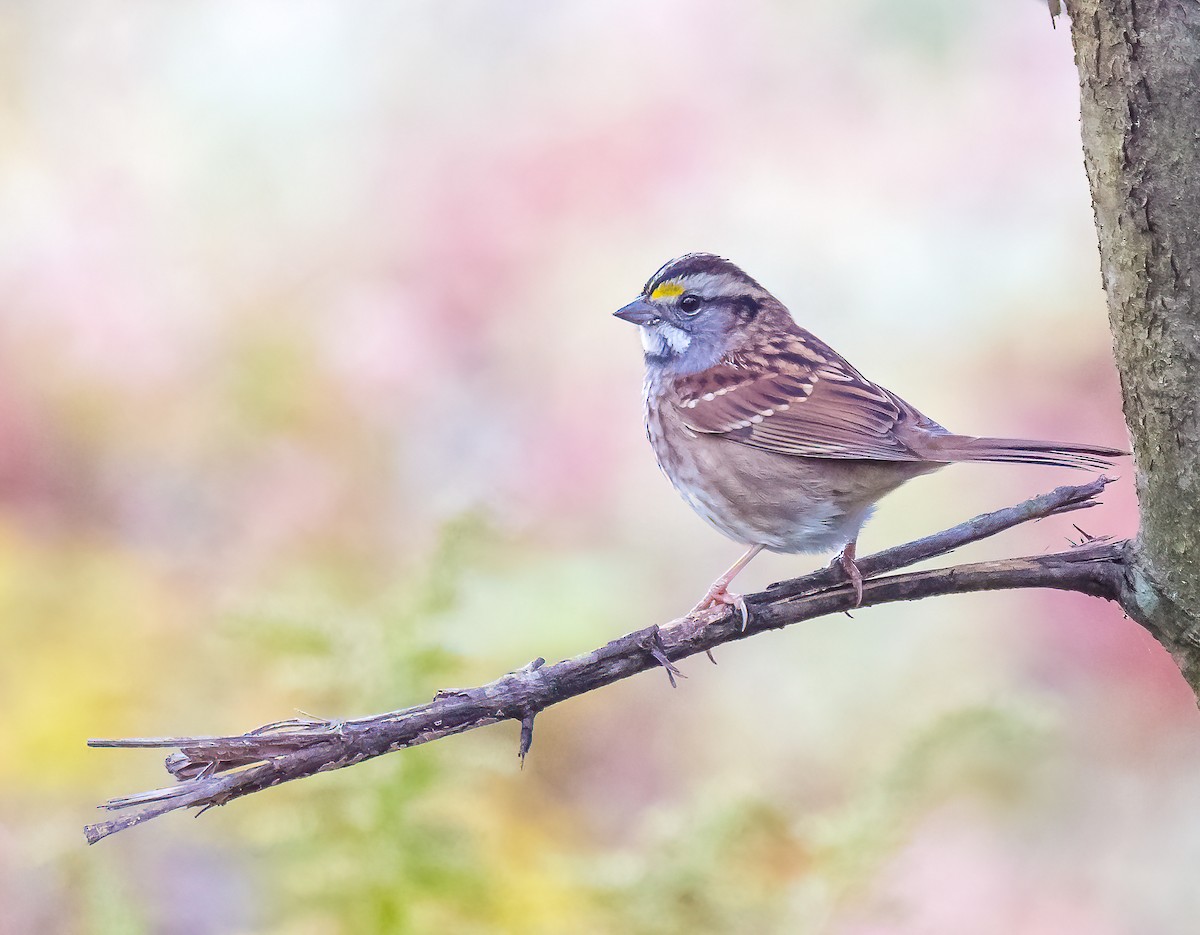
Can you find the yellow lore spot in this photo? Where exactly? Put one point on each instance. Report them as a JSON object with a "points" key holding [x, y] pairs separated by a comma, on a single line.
{"points": [[666, 290]]}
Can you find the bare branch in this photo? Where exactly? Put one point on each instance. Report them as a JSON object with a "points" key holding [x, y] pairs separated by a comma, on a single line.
{"points": [[1060, 500], [214, 770]]}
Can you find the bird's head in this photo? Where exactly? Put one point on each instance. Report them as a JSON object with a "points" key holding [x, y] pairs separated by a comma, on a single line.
{"points": [[697, 309]]}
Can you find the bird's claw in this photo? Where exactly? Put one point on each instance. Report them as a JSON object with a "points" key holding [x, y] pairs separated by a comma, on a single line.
{"points": [[846, 562], [720, 597]]}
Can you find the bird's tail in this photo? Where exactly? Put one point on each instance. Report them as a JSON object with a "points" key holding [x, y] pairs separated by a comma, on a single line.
{"points": [[1021, 451]]}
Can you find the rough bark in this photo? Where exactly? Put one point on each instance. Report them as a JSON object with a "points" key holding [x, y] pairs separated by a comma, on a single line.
{"points": [[1139, 76]]}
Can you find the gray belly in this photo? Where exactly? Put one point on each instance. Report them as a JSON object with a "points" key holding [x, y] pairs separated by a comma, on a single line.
{"points": [[785, 503]]}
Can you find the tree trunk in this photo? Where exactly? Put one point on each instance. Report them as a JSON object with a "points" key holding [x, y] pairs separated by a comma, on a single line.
{"points": [[1139, 82]]}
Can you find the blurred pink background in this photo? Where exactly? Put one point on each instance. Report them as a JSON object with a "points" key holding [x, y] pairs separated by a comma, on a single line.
{"points": [[311, 398]]}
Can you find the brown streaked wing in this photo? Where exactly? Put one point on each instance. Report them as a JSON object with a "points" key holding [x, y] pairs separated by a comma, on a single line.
{"points": [[808, 404]]}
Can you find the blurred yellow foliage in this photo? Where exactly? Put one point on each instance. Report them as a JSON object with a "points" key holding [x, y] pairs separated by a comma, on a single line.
{"points": [[87, 643]]}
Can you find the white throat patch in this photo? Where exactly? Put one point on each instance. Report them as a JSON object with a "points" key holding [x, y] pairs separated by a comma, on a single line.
{"points": [[663, 339]]}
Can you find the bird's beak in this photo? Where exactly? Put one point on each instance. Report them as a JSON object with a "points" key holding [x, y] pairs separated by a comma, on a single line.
{"points": [[639, 311]]}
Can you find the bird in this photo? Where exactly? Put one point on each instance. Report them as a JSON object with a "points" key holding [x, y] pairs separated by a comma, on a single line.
{"points": [[772, 436]]}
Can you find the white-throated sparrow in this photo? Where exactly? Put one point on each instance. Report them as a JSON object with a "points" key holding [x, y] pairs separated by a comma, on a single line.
{"points": [[772, 436]]}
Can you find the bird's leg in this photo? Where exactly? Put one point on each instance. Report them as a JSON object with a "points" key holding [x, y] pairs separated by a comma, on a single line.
{"points": [[719, 592], [846, 561]]}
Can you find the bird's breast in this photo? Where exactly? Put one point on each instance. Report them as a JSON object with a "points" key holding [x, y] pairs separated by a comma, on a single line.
{"points": [[751, 496]]}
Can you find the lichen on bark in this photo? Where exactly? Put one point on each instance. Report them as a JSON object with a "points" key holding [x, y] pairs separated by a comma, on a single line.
{"points": [[1139, 78]]}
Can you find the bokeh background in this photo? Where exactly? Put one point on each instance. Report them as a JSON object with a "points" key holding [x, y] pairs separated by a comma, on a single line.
{"points": [[310, 399]]}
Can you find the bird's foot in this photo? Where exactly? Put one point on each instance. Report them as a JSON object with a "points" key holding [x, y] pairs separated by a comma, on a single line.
{"points": [[719, 595], [846, 562]]}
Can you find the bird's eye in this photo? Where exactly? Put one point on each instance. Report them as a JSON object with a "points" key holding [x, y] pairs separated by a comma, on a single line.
{"points": [[690, 304]]}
